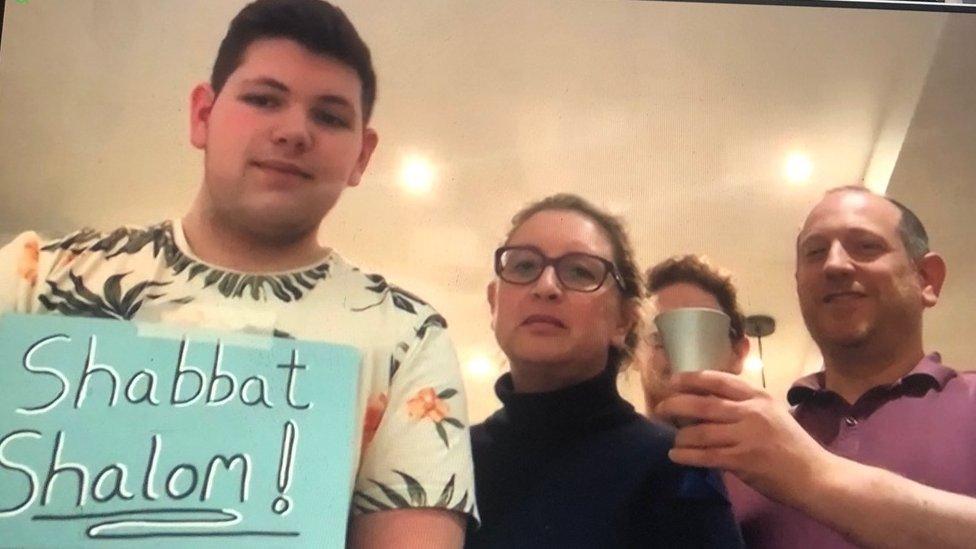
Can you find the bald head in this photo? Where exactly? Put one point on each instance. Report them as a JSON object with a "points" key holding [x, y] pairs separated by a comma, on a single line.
{"points": [[913, 235]]}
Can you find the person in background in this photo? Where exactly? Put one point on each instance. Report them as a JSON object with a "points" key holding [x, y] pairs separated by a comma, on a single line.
{"points": [[688, 281], [283, 124], [879, 448], [566, 462]]}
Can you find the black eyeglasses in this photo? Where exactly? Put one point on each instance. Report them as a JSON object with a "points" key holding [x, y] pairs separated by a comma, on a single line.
{"points": [[576, 271]]}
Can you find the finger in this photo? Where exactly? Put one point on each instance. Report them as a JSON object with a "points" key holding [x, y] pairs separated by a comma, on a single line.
{"points": [[704, 408], [709, 458], [706, 435], [711, 382]]}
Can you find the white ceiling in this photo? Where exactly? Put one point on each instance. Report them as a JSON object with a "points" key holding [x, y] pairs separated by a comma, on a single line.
{"points": [[677, 116]]}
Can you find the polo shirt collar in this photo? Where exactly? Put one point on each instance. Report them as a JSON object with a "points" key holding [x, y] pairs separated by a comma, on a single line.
{"points": [[929, 370]]}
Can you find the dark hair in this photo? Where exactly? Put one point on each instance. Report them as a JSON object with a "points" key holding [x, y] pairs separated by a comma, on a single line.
{"points": [[910, 228], [696, 270], [623, 253], [318, 26]]}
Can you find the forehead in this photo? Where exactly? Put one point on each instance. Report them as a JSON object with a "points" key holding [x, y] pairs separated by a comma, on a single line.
{"points": [[842, 212], [301, 69], [683, 294], [558, 232]]}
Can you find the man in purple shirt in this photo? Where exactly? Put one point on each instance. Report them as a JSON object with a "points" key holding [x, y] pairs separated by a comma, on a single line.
{"points": [[880, 449]]}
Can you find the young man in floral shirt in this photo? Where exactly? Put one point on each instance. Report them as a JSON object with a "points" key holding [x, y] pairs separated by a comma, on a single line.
{"points": [[283, 124]]}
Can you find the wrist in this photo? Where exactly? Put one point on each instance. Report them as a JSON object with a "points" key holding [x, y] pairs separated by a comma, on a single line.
{"points": [[829, 477]]}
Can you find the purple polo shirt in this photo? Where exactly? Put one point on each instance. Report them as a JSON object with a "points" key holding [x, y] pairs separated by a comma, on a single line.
{"points": [[922, 427]]}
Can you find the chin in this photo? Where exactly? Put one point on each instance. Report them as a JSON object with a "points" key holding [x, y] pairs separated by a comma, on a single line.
{"points": [[529, 353], [284, 224], [849, 339], [537, 357]]}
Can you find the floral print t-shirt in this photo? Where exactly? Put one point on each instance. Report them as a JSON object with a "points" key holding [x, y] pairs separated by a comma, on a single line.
{"points": [[414, 449]]}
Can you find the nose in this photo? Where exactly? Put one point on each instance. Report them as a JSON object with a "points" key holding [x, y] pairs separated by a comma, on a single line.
{"points": [[547, 286], [292, 132], [838, 263]]}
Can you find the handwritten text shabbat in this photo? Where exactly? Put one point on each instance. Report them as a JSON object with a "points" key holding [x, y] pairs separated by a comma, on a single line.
{"points": [[187, 386]]}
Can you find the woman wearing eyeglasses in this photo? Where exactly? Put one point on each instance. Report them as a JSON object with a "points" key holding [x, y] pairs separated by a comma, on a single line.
{"points": [[566, 462]]}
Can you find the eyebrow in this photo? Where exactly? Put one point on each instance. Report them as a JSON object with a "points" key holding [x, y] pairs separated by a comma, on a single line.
{"points": [[857, 232], [280, 86], [803, 239]]}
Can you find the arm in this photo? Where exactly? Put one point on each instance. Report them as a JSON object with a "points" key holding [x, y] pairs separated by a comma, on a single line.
{"points": [[415, 485], [677, 507], [18, 271], [745, 432], [903, 513], [709, 521], [407, 529]]}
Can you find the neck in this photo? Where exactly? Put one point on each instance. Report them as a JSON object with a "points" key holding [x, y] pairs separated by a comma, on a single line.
{"points": [[237, 249], [544, 378], [852, 371]]}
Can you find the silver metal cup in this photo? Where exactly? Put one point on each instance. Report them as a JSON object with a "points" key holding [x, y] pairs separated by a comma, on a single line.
{"points": [[695, 338]]}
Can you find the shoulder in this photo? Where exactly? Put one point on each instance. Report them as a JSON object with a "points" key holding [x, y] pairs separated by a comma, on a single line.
{"points": [[19, 265], [947, 380], [646, 437], [118, 240], [29, 261], [485, 434], [22, 252], [962, 385], [371, 294], [89, 246]]}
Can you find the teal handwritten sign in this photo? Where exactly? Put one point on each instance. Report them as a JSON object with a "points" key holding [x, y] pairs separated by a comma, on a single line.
{"points": [[124, 435]]}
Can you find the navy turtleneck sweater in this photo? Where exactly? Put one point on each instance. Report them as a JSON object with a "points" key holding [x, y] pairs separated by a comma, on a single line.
{"points": [[578, 467]]}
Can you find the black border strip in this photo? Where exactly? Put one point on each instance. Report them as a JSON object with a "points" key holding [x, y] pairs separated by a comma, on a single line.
{"points": [[3, 6], [849, 4]]}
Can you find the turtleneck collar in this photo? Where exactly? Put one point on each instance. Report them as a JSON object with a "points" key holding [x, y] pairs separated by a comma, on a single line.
{"points": [[586, 405]]}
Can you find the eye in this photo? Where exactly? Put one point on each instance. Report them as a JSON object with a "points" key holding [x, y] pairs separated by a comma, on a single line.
{"points": [[866, 248], [521, 264], [580, 269], [582, 272], [814, 252], [329, 119], [260, 100], [524, 266]]}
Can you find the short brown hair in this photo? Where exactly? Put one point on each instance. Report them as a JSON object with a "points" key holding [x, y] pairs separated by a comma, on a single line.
{"points": [[318, 26], [623, 252], [693, 269]]}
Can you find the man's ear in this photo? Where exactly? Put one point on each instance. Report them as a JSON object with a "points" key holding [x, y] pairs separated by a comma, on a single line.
{"points": [[741, 350], [932, 274], [201, 103], [370, 140]]}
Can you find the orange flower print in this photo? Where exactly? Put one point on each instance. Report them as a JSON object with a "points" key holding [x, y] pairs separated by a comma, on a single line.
{"points": [[68, 258], [430, 405], [27, 268], [375, 407], [427, 404]]}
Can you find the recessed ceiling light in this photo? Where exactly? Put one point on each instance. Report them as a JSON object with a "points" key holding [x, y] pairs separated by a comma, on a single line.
{"points": [[753, 364], [417, 175], [480, 367], [799, 168]]}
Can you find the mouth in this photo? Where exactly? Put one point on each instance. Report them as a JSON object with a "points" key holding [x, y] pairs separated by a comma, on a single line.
{"points": [[842, 296], [543, 319], [282, 167]]}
